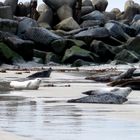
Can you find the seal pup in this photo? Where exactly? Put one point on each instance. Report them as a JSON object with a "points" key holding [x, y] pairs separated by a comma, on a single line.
{"points": [[100, 99], [120, 91], [27, 85]]}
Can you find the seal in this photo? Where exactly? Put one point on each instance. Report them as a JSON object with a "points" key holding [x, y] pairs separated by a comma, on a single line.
{"points": [[115, 95], [120, 91], [100, 99], [27, 85]]}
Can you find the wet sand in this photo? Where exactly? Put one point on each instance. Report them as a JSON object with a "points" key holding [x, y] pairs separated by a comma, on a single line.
{"points": [[45, 114]]}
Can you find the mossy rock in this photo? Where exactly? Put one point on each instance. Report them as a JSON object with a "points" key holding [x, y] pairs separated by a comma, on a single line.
{"points": [[75, 53], [79, 63], [52, 57], [7, 55], [127, 56]]}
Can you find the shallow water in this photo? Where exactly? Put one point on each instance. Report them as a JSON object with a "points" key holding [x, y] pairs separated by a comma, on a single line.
{"points": [[44, 114]]}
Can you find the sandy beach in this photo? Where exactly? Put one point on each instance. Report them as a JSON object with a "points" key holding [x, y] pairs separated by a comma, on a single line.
{"points": [[45, 114]]}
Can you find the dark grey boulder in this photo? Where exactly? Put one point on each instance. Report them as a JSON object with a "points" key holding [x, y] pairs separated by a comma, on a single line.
{"points": [[91, 23], [55, 4], [95, 15], [133, 44], [41, 35], [92, 33], [116, 31], [127, 56], [86, 10], [6, 12], [87, 3], [136, 18], [100, 5], [12, 3], [22, 47], [104, 51], [75, 53], [8, 25], [100, 99], [8, 56], [136, 25], [24, 25], [80, 62]]}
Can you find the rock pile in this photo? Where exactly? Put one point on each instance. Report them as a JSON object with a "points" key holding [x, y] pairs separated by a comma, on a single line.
{"points": [[67, 31]]}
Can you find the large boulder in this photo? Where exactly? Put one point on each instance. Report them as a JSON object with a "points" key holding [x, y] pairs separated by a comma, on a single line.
{"points": [[41, 35], [12, 3], [87, 3], [91, 23], [95, 15], [75, 53], [55, 4], [6, 12], [22, 47], [7, 55], [133, 44], [65, 11], [46, 16], [100, 5], [127, 56], [93, 33], [24, 25], [103, 50], [116, 31], [136, 26], [86, 10], [8, 25], [68, 24], [131, 9]]}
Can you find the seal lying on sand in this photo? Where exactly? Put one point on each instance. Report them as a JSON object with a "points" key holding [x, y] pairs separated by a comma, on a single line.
{"points": [[104, 96], [41, 74], [28, 85], [120, 91]]}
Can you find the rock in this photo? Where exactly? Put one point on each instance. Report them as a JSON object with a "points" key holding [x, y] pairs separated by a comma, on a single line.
{"points": [[67, 24], [127, 56], [41, 74], [100, 99], [91, 23], [123, 92], [4, 35], [100, 5], [24, 25], [136, 18], [133, 44], [22, 47], [86, 10], [52, 57], [136, 26], [46, 16], [103, 50], [41, 35], [55, 4], [8, 25], [6, 12], [116, 11], [92, 33], [95, 15], [80, 62], [116, 31], [130, 10], [22, 10], [12, 3], [42, 7], [7, 55], [64, 12], [128, 4], [87, 3], [75, 53], [109, 16]]}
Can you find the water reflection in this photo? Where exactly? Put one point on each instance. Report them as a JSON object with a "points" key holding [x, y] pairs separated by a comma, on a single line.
{"points": [[42, 119]]}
